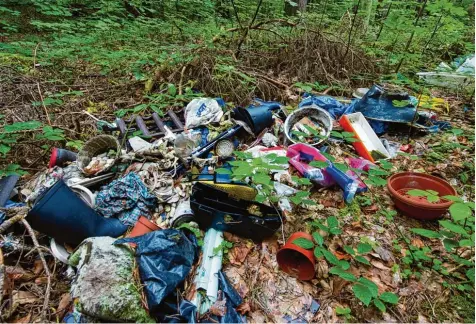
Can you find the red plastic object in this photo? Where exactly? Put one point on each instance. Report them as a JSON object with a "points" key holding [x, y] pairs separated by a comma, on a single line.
{"points": [[295, 260], [143, 226], [417, 207], [54, 155]]}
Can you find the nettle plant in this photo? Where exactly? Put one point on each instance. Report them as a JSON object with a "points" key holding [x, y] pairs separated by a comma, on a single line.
{"points": [[456, 235], [258, 173], [364, 289]]}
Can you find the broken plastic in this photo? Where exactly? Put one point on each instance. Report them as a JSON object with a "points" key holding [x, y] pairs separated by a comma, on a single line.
{"points": [[301, 154]]}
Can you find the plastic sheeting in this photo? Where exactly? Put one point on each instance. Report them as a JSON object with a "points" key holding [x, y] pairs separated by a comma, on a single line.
{"points": [[378, 108], [165, 258]]}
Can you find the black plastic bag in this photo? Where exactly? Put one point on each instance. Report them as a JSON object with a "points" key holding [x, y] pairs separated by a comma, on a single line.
{"points": [[165, 258]]}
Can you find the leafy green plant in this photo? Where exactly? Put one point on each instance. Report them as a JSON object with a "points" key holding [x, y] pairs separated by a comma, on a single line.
{"points": [[256, 171], [346, 136], [344, 311]]}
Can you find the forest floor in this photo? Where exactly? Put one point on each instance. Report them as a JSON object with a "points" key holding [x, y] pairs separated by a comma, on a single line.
{"points": [[426, 294]]}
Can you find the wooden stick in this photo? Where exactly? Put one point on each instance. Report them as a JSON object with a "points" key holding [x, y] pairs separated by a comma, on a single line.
{"points": [[45, 266]]}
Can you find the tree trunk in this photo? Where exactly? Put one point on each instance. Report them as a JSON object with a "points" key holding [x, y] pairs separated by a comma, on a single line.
{"points": [[291, 9]]}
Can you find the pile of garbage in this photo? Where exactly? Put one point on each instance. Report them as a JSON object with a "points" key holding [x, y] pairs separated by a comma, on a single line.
{"points": [[126, 214]]}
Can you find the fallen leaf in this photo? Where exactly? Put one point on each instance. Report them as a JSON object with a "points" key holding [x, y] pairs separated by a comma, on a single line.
{"points": [[370, 209], [328, 203], [243, 308], [37, 267], [24, 297], [41, 280], [379, 265], [64, 304], [26, 319], [417, 242], [219, 308], [238, 254], [342, 255]]}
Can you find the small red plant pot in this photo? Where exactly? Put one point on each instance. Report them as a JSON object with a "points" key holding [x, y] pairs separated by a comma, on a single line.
{"points": [[295, 260], [143, 226], [419, 207]]}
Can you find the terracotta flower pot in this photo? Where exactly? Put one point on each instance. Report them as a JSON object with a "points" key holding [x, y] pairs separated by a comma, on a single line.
{"points": [[419, 207], [295, 260], [143, 226]]}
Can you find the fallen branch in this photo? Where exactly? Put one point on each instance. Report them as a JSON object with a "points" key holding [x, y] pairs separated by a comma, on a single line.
{"points": [[258, 26], [43, 104], [45, 266]]}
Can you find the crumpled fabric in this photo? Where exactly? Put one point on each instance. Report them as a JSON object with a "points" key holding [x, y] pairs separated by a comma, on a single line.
{"points": [[202, 111], [126, 198]]}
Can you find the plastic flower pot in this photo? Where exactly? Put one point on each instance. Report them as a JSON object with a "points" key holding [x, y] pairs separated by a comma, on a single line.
{"points": [[60, 156], [143, 226], [295, 260], [419, 207]]}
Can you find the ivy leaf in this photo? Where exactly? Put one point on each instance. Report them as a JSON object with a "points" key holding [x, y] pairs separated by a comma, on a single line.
{"points": [[302, 194], [364, 248], [342, 311], [4, 149], [349, 250], [343, 264], [449, 244], [335, 231], [361, 259], [295, 200], [318, 238], [317, 252], [222, 171], [261, 178], [343, 274], [464, 243], [426, 233], [362, 293], [370, 285], [381, 306], [304, 243], [337, 134], [332, 222], [330, 257], [389, 298], [417, 193], [453, 227], [309, 202], [460, 211], [470, 274]]}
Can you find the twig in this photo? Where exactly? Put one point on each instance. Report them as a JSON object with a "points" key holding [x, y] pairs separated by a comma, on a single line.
{"points": [[238, 49], [45, 266], [351, 29], [34, 56], [9, 222], [181, 80], [43, 104]]}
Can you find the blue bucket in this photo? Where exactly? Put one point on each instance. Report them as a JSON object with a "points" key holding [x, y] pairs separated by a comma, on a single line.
{"points": [[61, 214]]}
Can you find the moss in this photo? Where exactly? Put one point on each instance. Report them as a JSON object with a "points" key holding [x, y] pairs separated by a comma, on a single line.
{"points": [[352, 209], [464, 305]]}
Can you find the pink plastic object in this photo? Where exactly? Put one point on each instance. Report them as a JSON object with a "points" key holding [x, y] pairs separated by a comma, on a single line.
{"points": [[361, 164]]}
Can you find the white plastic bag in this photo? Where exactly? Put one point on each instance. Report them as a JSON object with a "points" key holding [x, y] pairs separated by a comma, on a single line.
{"points": [[201, 112]]}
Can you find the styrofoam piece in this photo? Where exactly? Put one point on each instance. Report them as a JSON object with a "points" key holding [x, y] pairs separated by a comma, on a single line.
{"points": [[368, 140]]}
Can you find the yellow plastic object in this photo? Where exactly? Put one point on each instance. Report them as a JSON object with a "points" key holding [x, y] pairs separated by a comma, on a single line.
{"points": [[235, 190], [438, 104]]}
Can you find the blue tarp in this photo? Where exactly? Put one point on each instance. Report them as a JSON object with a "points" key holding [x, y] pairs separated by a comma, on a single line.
{"points": [[379, 109]]}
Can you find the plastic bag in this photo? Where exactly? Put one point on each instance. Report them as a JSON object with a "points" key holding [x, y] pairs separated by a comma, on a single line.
{"points": [[202, 111], [165, 258]]}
